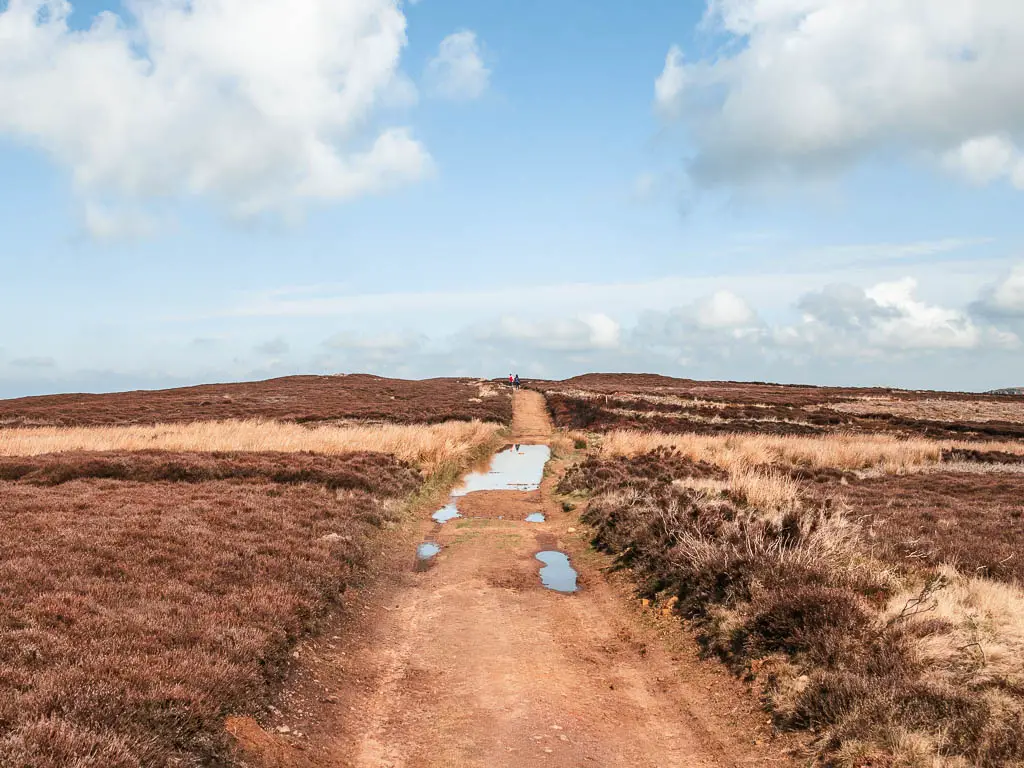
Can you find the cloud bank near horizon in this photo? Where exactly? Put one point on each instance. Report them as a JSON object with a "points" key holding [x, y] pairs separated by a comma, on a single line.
{"points": [[884, 334]]}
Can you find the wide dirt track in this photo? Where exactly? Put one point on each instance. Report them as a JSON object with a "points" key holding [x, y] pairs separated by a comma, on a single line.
{"points": [[471, 662]]}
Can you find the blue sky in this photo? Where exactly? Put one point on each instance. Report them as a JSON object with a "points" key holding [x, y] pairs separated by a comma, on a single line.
{"points": [[797, 190]]}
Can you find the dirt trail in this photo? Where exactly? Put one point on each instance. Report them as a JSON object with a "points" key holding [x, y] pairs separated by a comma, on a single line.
{"points": [[473, 663]]}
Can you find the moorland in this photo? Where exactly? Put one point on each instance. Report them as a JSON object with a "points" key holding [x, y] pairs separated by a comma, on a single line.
{"points": [[854, 552]]}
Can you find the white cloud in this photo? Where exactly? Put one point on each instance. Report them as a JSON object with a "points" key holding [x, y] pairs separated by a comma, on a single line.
{"points": [[668, 88], [984, 159], [118, 223], [258, 104], [1005, 298], [458, 71], [913, 324], [808, 86], [604, 332], [886, 318], [583, 333], [712, 325], [724, 310]]}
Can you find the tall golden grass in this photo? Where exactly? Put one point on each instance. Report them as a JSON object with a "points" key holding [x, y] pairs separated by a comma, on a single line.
{"points": [[936, 409], [427, 446], [837, 451]]}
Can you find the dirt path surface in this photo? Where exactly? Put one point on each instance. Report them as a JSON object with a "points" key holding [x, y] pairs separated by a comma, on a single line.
{"points": [[471, 662]]}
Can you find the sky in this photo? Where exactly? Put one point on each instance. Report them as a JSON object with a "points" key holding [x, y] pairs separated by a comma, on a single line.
{"points": [[804, 191]]}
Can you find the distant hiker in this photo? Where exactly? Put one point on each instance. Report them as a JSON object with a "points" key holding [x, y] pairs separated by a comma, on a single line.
{"points": [[511, 381], [515, 382]]}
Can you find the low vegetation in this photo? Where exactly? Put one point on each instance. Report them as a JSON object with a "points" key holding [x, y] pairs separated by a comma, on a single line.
{"points": [[294, 398], [139, 612], [605, 403], [870, 583], [427, 445], [163, 554], [884, 453]]}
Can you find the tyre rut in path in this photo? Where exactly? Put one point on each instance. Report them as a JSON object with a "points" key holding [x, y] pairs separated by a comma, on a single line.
{"points": [[473, 663]]}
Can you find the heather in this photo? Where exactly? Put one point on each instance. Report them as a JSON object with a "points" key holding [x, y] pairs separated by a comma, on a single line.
{"points": [[867, 584], [302, 399], [609, 402], [139, 612]]}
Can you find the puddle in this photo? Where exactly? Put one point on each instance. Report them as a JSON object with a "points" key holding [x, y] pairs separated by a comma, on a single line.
{"points": [[518, 468], [557, 574], [535, 517], [448, 512], [427, 550]]}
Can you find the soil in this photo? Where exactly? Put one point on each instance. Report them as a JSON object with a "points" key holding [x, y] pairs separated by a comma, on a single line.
{"points": [[471, 662]]}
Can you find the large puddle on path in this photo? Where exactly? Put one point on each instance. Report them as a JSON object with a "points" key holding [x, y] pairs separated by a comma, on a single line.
{"points": [[518, 468], [557, 574]]}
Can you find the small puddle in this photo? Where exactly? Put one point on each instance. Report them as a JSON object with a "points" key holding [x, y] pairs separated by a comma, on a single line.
{"points": [[557, 574], [448, 512], [535, 517], [518, 468], [427, 550]]}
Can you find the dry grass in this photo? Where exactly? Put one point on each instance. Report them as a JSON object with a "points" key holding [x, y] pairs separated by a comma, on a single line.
{"points": [[844, 452], [426, 446], [162, 552], [921, 670], [849, 548], [635, 397], [938, 409], [605, 403], [769, 491]]}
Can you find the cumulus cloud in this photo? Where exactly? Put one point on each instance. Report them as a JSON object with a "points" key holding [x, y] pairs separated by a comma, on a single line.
{"points": [[706, 322], [888, 317], [258, 104], [668, 88], [838, 323], [577, 334], [458, 71], [807, 86], [985, 159], [1005, 298], [723, 310]]}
